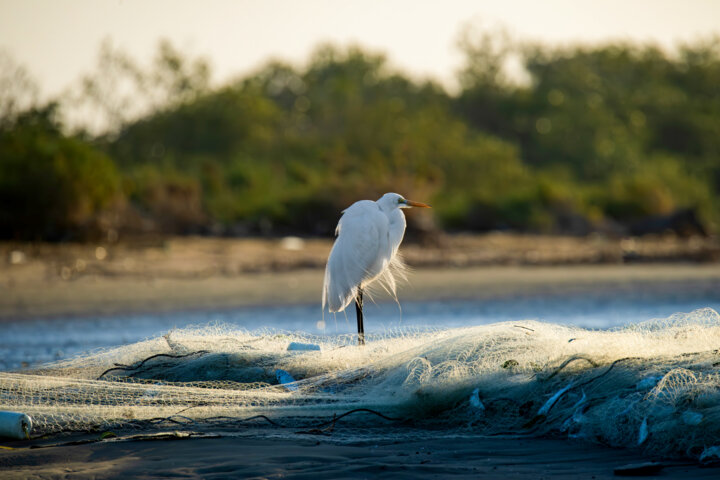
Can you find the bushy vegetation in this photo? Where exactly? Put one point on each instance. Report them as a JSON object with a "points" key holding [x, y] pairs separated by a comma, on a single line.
{"points": [[52, 186], [597, 138]]}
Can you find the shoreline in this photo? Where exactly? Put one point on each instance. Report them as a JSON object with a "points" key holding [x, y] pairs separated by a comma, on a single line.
{"points": [[34, 295]]}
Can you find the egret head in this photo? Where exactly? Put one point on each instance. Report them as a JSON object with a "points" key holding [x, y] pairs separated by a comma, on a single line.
{"points": [[395, 200]]}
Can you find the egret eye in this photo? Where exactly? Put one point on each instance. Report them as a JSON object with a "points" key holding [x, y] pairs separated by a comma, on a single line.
{"points": [[401, 200]]}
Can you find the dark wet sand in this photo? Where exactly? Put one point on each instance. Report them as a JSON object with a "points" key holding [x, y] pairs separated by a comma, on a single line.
{"points": [[315, 458], [35, 289]]}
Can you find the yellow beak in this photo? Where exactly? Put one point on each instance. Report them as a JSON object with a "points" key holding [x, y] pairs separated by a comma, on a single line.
{"points": [[410, 203]]}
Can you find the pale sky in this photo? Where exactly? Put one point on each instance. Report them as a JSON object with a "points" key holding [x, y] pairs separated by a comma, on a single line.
{"points": [[58, 40]]}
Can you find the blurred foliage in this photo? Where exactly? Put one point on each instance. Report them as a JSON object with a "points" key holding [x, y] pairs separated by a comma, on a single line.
{"points": [[51, 186], [593, 139]]}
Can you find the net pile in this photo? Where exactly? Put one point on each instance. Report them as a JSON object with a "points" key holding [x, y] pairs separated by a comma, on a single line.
{"points": [[654, 385]]}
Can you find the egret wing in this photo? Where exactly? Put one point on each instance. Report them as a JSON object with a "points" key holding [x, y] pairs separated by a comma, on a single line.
{"points": [[360, 253]]}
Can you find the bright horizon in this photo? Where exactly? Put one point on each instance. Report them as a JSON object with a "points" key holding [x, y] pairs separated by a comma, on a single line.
{"points": [[59, 41]]}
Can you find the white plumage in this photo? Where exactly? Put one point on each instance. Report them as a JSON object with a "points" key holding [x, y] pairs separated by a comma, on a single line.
{"points": [[366, 249]]}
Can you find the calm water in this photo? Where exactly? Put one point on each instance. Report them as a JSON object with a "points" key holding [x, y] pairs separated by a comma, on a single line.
{"points": [[30, 342]]}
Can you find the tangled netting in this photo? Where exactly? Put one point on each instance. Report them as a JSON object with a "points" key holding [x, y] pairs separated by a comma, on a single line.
{"points": [[654, 385]]}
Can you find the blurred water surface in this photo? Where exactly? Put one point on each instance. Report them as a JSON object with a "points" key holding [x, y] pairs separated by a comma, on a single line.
{"points": [[29, 342]]}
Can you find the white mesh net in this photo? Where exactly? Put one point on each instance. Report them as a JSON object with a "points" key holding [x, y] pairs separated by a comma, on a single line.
{"points": [[654, 384]]}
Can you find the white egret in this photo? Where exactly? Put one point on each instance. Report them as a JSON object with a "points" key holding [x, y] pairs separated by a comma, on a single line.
{"points": [[368, 236]]}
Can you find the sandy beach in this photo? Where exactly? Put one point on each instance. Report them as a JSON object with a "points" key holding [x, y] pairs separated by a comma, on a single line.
{"points": [[210, 273], [31, 296]]}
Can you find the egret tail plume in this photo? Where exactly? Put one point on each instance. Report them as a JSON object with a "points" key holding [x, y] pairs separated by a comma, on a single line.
{"points": [[338, 294]]}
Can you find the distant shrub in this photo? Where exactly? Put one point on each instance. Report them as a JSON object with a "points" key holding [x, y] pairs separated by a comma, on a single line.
{"points": [[169, 201], [51, 186]]}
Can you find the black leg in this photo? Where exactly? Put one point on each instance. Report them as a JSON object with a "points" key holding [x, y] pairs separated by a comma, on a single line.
{"points": [[359, 312]]}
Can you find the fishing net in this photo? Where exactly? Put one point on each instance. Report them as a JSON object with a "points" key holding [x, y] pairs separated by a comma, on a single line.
{"points": [[655, 385]]}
